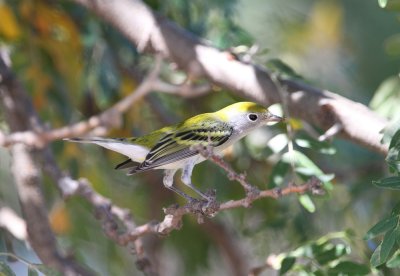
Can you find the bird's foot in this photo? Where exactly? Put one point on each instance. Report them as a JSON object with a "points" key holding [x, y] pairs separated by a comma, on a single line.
{"points": [[208, 206]]}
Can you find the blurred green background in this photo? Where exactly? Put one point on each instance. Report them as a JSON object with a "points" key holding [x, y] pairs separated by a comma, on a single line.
{"points": [[74, 65]]}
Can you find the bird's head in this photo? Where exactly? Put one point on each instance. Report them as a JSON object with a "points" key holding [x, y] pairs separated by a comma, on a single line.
{"points": [[246, 116]]}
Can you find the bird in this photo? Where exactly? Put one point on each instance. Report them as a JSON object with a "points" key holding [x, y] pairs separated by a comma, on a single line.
{"points": [[176, 147]]}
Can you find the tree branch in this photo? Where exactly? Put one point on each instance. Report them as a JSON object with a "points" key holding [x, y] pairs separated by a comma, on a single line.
{"points": [[173, 214], [153, 33], [20, 116], [185, 90], [106, 119]]}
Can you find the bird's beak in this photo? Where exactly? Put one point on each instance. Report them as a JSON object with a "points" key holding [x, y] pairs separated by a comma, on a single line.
{"points": [[275, 118]]}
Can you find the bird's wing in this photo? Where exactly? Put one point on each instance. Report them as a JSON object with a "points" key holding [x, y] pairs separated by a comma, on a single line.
{"points": [[179, 145]]}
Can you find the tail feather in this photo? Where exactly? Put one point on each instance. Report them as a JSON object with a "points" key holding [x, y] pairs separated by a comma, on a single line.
{"points": [[133, 171], [126, 164], [125, 146], [94, 140]]}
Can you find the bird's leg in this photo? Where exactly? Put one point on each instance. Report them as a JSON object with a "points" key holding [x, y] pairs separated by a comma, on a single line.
{"points": [[187, 179], [169, 183]]}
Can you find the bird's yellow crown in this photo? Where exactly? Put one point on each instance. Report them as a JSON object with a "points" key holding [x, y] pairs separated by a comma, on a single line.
{"points": [[241, 107], [244, 107]]}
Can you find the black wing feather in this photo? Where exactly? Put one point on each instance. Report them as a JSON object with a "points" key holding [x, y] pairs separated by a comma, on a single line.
{"points": [[178, 146], [126, 164]]}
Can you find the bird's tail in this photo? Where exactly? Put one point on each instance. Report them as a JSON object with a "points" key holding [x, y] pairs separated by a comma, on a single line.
{"points": [[95, 140], [125, 146]]}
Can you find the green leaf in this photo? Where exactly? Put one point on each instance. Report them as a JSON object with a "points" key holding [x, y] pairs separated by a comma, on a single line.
{"points": [[393, 160], [5, 270], [394, 261], [376, 257], [333, 253], [395, 141], [318, 272], [387, 245], [386, 98], [276, 143], [322, 147], [307, 203], [301, 161], [392, 182], [390, 130], [349, 268], [286, 265], [304, 166], [381, 227], [393, 156], [396, 209]]}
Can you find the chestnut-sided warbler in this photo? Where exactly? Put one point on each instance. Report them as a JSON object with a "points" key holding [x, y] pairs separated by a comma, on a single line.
{"points": [[176, 147]]}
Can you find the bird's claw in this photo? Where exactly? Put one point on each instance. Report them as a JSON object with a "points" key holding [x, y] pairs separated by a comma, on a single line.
{"points": [[208, 206]]}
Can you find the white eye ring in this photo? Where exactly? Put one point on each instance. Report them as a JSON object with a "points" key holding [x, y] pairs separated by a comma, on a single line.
{"points": [[253, 117]]}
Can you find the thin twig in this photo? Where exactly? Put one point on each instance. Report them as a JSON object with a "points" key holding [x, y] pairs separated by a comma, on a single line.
{"points": [[184, 90], [173, 214], [251, 191], [106, 119], [270, 263], [331, 132], [109, 214]]}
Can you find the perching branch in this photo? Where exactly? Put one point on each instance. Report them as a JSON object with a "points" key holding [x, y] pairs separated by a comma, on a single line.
{"points": [[153, 33], [174, 214]]}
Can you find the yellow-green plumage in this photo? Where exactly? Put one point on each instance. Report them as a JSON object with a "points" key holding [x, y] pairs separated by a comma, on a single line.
{"points": [[198, 121]]}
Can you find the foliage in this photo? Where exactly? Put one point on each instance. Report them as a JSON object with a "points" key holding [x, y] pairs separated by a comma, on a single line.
{"points": [[387, 252], [387, 97], [74, 65], [327, 255], [33, 269]]}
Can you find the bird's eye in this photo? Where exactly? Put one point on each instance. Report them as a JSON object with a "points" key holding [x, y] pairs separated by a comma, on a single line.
{"points": [[253, 117]]}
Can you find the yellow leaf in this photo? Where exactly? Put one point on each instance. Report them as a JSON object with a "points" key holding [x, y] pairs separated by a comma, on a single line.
{"points": [[127, 85], [9, 28], [60, 220], [58, 35], [41, 83], [326, 23]]}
